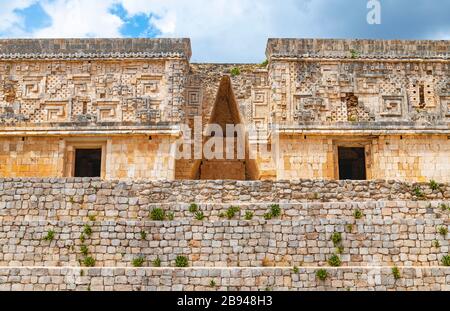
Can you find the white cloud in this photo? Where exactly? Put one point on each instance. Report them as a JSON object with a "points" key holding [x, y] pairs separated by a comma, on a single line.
{"points": [[220, 30], [224, 30], [11, 23], [167, 24], [442, 35], [80, 18]]}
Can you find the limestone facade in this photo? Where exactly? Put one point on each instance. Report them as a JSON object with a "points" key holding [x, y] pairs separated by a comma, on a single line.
{"points": [[130, 97]]}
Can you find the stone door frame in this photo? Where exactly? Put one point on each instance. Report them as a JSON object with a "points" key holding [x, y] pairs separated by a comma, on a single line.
{"points": [[83, 143], [365, 143]]}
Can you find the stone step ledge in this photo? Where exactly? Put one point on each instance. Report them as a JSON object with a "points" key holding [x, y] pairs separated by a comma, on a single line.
{"points": [[221, 191], [66, 211], [236, 243], [245, 279]]}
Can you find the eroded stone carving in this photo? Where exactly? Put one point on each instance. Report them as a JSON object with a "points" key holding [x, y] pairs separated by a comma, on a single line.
{"points": [[392, 106], [308, 108], [96, 90], [55, 111], [446, 106]]}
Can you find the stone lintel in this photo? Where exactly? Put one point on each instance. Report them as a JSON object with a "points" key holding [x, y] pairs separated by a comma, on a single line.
{"points": [[77, 131]]}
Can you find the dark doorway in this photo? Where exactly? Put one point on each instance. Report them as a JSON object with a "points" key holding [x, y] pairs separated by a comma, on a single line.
{"points": [[88, 162], [352, 163]]}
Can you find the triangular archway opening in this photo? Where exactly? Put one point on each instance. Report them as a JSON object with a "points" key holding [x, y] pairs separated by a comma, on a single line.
{"points": [[226, 112]]}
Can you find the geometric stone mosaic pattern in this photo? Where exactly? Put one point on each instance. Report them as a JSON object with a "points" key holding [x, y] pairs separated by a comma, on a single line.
{"points": [[91, 91], [314, 94], [97, 81], [323, 111], [327, 82]]}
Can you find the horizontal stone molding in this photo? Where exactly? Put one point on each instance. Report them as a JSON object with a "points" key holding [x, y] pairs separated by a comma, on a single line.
{"points": [[240, 279], [61, 131], [361, 48], [66, 49]]}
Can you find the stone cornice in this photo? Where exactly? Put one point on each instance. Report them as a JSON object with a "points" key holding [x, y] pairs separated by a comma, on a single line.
{"points": [[358, 49], [92, 131], [364, 128], [75, 49]]}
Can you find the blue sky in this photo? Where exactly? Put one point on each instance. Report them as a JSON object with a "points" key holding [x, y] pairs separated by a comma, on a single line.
{"points": [[223, 30]]}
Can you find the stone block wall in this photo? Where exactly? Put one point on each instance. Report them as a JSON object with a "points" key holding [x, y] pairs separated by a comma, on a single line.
{"points": [[305, 158], [84, 190], [31, 156], [420, 158], [408, 158], [142, 158], [401, 157], [385, 241], [400, 225], [124, 157], [234, 279]]}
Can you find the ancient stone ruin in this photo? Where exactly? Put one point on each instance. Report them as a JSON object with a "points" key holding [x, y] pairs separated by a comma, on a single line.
{"points": [[336, 174], [115, 106]]}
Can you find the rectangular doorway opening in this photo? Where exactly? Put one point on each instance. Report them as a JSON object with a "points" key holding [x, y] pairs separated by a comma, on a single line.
{"points": [[352, 163], [88, 162]]}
